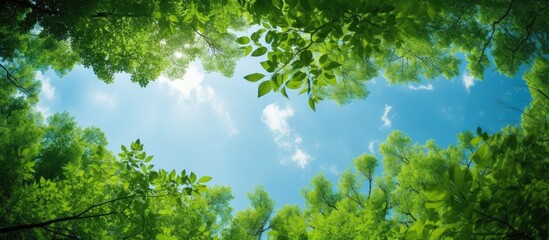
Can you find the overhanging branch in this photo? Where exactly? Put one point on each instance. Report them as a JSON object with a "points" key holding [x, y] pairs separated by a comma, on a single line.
{"points": [[78, 216]]}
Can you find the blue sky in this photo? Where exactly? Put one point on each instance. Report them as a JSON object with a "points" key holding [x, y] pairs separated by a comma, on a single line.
{"points": [[217, 126]]}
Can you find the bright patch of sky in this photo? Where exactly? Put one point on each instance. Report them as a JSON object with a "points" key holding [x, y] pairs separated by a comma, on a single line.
{"points": [[372, 146], [47, 90], [428, 87], [47, 93], [286, 139], [191, 91], [468, 81], [104, 99], [218, 127], [385, 117]]}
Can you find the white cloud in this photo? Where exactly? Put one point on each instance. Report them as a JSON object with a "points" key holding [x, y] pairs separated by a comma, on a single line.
{"points": [[385, 117], [332, 169], [468, 81], [219, 109], [105, 99], [428, 87], [44, 110], [190, 90], [300, 157], [48, 90], [276, 119], [371, 146], [455, 114]]}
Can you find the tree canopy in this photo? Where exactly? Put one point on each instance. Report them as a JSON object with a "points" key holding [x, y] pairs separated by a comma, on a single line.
{"points": [[143, 38], [61, 181], [327, 49], [486, 186]]}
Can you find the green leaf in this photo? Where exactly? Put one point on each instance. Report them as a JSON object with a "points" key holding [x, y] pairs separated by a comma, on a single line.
{"points": [[161, 236], [306, 56], [312, 104], [243, 40], [437, 194], [269, 36], [475, 141], [172, 174], [254, 77], [437, 233], [294, 84], [479, 131], [259, 52], [434, 204], [192, 178], [256, 35], [386, 9], [204, 179], [268, 66], [264, 88], [323, 59], [330, 79], [247, 50], [332, 65], [173, 18], [157, 15], [283, 92]]}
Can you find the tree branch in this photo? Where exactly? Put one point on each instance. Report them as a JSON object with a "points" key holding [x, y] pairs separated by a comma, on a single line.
{"points": [[77, 216], [301, 49], [494, 24], [34, 7], [14, 81]]}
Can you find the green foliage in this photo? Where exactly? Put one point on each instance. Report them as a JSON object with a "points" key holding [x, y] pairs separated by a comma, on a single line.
{"points": [[60, 181], [488, 186], [435, 193], [329, 49], [253, 221], [288, 224], [326, 49], [139, 38]]}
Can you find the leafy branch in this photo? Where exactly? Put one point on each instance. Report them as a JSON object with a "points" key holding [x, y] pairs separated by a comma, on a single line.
{"points": [[301, 49], [78, 216], [14, 81], [494, 25]]}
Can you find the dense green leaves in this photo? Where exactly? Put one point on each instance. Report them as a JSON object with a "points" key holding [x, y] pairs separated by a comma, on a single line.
{"points": [[141, 39], [337, 45], [60, 181], [252, 222], [341, 45]]}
